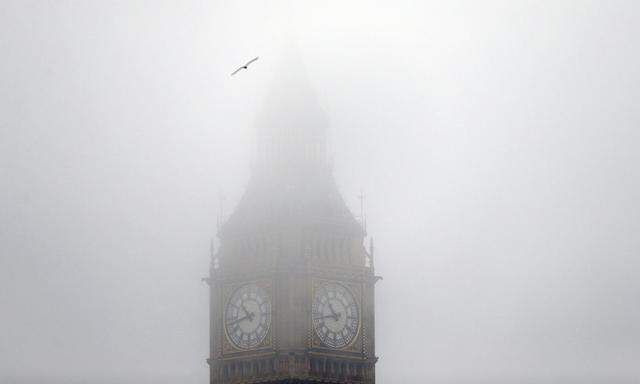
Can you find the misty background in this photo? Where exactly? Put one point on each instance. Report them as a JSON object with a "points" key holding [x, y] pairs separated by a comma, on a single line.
{"points": [[496, 143]]}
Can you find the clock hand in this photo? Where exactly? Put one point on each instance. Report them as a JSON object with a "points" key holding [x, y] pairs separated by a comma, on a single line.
{"points": [[335, 315], [239, 320], [249, 314]]}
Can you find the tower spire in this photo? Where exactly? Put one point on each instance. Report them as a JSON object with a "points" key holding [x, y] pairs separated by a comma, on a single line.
{"points": [[291, 182], [291, 125]]}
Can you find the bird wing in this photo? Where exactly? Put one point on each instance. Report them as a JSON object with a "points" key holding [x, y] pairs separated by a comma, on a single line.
{"points": [[237, 70], [251, 61]]}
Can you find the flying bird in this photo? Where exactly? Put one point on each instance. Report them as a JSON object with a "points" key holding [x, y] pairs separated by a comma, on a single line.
{"points": [[244, 66]]}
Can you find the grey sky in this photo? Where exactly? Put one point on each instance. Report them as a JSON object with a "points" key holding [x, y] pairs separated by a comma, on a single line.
{"points": [[496, 142]]}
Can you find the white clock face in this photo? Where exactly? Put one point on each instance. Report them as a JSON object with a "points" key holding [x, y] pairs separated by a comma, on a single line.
{"points": [[336, 318], [247, 316]]}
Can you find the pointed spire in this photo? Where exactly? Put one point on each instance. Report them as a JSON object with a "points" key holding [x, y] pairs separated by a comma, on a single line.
{"points": [[291, 125], [291, 183]]}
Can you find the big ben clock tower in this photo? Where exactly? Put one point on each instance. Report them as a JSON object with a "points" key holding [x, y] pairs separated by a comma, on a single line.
{"points": [[291, 284]]}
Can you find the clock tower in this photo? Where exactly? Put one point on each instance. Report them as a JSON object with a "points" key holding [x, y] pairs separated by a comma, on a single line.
{"points": [[292, 284]]}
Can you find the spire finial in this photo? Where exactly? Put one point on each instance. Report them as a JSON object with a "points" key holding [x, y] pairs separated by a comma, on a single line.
{"points": [[371, 249], [363, 218]]}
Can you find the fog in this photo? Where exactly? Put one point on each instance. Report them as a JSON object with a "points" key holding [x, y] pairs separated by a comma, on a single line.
{"points": [[496, 144]]}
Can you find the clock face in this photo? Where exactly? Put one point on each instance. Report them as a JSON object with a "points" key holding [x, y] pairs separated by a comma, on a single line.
{"points": [[335, 315], [247, 317]]}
